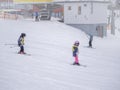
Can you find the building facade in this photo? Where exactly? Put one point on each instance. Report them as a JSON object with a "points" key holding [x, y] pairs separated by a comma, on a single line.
{"points": [[89, 16]]}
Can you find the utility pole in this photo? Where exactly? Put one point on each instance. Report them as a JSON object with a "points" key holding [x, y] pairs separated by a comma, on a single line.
{"points": [[112, 19], [112, 22], [8, 4]]}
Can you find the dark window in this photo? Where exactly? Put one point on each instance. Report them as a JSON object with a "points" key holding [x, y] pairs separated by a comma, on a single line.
{"points": [[69, 7], [79, 10]]}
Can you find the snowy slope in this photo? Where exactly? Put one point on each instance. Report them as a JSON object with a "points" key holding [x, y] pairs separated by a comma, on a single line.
{"points": [[49, 66]]}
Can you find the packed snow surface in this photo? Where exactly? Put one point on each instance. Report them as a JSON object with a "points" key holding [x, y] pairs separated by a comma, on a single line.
{"points": [[49, 66]]}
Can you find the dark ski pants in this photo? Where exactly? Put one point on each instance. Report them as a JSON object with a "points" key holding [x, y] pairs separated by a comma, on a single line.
{"points": [[21, 48], [36, 18], [90, 43]]}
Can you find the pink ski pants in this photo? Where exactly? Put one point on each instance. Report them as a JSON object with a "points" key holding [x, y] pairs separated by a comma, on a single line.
{"points": [[76, 59]]}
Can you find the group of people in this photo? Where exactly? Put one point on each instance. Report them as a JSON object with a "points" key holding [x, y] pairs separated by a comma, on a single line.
{"points": [[75, 46]]}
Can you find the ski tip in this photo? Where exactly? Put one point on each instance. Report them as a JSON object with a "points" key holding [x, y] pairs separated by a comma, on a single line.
{"points": [[89, 47], [79, 65], [24, 54]]}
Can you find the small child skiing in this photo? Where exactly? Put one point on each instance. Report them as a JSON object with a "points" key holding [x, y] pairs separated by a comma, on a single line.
{"points": [[75, 52], [21, 43]]}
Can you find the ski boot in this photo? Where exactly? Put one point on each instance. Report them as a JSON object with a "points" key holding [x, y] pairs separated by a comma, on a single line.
{"points": [[21, 52], [75, 63]]}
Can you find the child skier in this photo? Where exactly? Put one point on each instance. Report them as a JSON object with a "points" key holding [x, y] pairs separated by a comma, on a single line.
{"points": [[75, 52], [21, 43]]}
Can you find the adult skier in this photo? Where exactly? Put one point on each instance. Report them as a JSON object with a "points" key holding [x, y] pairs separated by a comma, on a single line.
{"points": [[90, 40], [21, 43], [36, 16]]}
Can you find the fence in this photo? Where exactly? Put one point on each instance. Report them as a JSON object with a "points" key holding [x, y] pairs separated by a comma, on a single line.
{"points": [[9, 16]]}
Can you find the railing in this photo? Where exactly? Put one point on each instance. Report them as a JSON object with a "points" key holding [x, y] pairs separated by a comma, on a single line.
{"points": [[9, 16]]}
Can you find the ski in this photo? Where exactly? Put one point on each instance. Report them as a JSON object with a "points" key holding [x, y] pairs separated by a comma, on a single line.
{"points": [[79, 65], [83, 65], [89, 47], [24, 54], [11, 45]]}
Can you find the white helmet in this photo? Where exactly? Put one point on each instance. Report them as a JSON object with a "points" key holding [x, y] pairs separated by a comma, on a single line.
{"points": [[76, 43]]}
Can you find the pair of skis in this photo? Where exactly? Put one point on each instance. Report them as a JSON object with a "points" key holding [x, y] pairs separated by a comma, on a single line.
{"points": [[79, 65], [15, 45], [24, 54]]}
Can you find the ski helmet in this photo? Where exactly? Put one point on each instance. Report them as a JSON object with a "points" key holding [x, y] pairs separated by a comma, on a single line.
{"points": [[76, 43], [23, 34]]}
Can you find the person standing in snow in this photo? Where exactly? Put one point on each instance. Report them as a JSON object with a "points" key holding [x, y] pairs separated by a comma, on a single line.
{"points": [[36, 16], [90, 40], [75, 52], [21, 43]]}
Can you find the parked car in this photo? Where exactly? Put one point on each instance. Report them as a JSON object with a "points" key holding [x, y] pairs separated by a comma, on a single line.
{"points": [[44, 15]]}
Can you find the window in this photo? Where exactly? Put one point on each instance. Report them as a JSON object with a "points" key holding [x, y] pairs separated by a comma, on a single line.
{"points": [[91, 8], [79, 10], [85, 5], [69, 7]]}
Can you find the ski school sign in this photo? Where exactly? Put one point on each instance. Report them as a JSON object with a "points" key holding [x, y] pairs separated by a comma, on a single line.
{"points": [[31, 1]]}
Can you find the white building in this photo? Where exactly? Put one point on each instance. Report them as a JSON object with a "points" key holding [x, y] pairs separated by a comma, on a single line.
{"points": [[90, 16]]}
